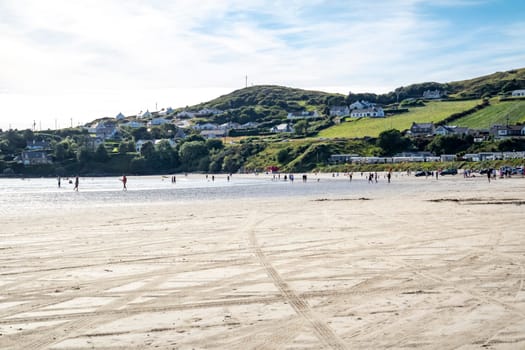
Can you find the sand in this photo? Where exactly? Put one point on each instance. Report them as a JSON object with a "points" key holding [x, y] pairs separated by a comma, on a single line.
{"points": [[437, 265]]}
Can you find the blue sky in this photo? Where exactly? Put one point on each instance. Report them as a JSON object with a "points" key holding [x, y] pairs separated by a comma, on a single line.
{"points": [[66, 60]]}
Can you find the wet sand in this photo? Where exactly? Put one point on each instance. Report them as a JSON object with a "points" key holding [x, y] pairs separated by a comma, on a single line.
{"points": [[437, 265]]}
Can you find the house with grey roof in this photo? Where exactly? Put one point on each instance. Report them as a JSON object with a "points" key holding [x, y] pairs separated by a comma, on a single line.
{"points": [[374, 112], [422, 129]]}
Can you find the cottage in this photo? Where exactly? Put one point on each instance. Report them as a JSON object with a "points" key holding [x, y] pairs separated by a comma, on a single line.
{"points": [[451, 130], [230, 126], [134, 124], [186, 114], [120, 116], [374, 112], [140, 143], [422, 129], [503, 131], [206, 126], [208, 111], [35, 145], [432, 94], [104, 130], [282, 128], [339, 111], [213, 134], [518, 93], [30, 157], [361, 105], [146, 114], [157, 121], [249, 125], [302, 115]]}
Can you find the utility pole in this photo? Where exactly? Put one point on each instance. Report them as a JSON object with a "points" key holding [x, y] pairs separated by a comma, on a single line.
{"points": [[246, 81], [34, 125]]}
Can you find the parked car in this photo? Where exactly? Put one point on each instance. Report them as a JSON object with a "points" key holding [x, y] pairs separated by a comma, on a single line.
{"points": [[448, 172], [423, 173]]}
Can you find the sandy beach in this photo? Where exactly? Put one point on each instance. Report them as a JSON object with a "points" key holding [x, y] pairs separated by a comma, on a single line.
{"points": [[438, 264]]}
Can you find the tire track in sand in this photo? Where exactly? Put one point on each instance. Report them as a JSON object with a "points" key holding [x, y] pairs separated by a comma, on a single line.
{"points": [[300, 306]]}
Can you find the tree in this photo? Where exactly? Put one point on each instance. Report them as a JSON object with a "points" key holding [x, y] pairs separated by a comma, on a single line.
{"points": [[301, 126], [283, 155], [84, 155], [450, 144], [147, 150], [101, 154], [214, 144], [191, 152], [392, 142]]}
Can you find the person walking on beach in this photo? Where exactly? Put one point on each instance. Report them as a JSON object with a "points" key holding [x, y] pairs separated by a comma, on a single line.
{"points": [[76, 184], [489, 174], [124, 181], [388, 176], [58, 179]]}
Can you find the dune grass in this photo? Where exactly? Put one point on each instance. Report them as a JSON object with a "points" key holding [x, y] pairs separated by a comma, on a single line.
{"points": [[431, 112]]}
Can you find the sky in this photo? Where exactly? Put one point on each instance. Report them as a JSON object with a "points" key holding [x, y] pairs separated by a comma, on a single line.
{"points": [[68, 62]]}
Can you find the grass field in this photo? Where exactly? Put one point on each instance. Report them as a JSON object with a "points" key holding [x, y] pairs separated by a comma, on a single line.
{"points": [[432, 112], [496, 113]]}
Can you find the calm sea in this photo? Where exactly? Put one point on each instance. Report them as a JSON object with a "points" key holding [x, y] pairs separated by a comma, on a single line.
{"points": [[43, 193]]}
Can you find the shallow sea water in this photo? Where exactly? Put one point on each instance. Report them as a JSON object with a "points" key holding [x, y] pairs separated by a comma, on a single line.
{"points": [[38, 194]]}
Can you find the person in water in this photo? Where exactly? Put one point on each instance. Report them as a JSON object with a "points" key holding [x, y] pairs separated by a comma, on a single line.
{"points": [[124, 181]]}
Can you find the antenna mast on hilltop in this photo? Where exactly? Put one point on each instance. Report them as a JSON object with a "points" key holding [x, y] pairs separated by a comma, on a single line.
{"points": [[246, 81]]}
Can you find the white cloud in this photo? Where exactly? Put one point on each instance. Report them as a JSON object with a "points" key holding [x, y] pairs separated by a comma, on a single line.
{"points": [[108, 56]]}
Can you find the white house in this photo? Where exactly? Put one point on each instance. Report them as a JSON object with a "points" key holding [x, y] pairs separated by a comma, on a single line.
{"points": [[230, 126], [146, 114], [35, 157], [213, 134], [374, 112], [186, 114], [432, 94], [208, 111], [249, 125], [34, 145], [361, 105], [157, 121], [104, 130], [518, 93], [284, 127], [206, 126], [140, 143], [170, 141], [339, 111], [450, 130], [133, 124], [302, 115]]}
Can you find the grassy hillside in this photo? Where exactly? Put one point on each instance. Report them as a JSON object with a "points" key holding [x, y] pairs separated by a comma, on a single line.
{"points": [[269, 102], [432, 112], [492, 84], [498, 112]]}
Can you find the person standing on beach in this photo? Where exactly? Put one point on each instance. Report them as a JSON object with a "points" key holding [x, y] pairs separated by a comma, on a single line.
{"points": [[76, 184], [489, 174], [58, 179], [124, 181]]}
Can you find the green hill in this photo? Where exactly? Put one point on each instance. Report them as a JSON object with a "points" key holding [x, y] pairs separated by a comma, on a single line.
{"points": [[267, 103], [489, 85], [433, 112], [499, 112]]}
